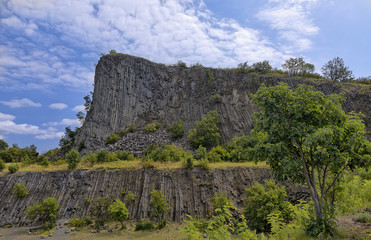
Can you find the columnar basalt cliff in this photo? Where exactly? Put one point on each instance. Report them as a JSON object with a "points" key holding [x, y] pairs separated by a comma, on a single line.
{"points": [[187, 191], [134, 91]]}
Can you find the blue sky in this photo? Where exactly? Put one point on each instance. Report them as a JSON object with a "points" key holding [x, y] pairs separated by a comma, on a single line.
{"points": [[48, 48]]}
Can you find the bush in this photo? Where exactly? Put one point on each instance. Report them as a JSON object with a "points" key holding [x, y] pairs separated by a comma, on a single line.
{"points": [[118, 211], [73, 158], [91, 158], [44, 161], [177, 130], [363, 218], [200, 153], [158, 203], [218, 154], [130, 198], [100, 211], [122, 132], [76, 222], [111, 157], [102, 156], [46, 211], [216, 98], [161, 224], [144, 225], [2, 165], [188, 162], [112, 139], [151, 127], [207, 131], [204, 164], [13, 168], [132, 128], [264, 200], [182, 64], [20, 190], [165, 153], [124, 155]]}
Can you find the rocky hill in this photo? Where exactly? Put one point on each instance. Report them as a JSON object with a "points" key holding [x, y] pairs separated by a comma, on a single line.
{"points": [[134, 91]]}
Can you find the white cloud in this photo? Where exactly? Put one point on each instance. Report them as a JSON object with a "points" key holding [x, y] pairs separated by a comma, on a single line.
{"points": [[79, 108], [64, 122], [58, 106], [18, 103], [6, 117], [293, 22]]}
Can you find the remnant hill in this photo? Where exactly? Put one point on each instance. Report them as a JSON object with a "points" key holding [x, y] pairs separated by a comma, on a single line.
{"points": [[134, 91]]}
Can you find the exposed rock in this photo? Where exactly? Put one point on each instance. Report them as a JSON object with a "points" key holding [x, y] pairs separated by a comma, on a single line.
{"points": [[187, 191], [134, 91]]}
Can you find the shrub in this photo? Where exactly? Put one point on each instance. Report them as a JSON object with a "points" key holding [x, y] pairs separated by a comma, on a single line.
{"points": [[144, 225], [13, 168], [46, 211], [20, 190], [200, 152], [218, 154], [91, 158], [2, 165], [76, 222], [73, 158], [130, 198], [161, 224], [100, 211], [151, 127], [158, 203], [177, 130], [118, 211], [204, 164], [44, 161], [124, 155], [165, 153], [81, 145], [182, 64], [112, 139], [122, 132], [188, 162], [111, 157], [207, 131], [102, 156], [216, 98], [87, 220], [132, 128], [363, 218], [264, 200]]}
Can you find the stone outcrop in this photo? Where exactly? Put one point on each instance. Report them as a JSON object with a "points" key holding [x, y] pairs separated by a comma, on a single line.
{"points": [[134, 91], [187, 191]]}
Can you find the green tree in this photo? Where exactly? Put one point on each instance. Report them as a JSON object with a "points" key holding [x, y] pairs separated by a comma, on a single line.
{"points": [[3, 145], [46, 212], [262, 67], [158, 203], [207, 131], [306, 137], [68, 140], [336, 70], [297, 66], [20, 190], [177, 129], [2, 165], [73, 158], [13, 168], [100, 210], [118, 211]]}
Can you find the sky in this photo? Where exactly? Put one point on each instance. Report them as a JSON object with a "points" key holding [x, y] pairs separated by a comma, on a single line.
{"points": [[49, 48]]}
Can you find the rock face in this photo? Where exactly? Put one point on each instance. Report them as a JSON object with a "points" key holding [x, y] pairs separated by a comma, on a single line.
{"points": [[134, 91], [187, 191]]}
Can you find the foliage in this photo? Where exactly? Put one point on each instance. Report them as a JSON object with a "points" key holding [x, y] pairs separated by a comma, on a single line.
{"points": [[144, 225], [122, 132], [216, 98], [191, 229], [13, 168], [177, 129], [44, 161], [130, 197], [124, 155], [20, 190], [100, 210], [218, 154], [151, 127], [73, 158], [204, 164], [46, 212], [210, 78], [262, 67], [324, 226], [336, 70], [363, 218], [118, 211], [201, 153], [102, 156], [91, 158], [68, 140], [243, 67], [309, 138], [182, 64], [111, 157], [264, 200], [26, 155], [131, 128], [112, 139], [158, 203], [3, 145], [297, 66], [2, 165], [207, 131], [165, 153], [162, 224], [197, 65], [76, 222], [188, 162]]}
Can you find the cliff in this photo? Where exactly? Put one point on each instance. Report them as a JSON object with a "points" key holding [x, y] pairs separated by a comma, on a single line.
{"points": [[134, 91], [187, 191]]}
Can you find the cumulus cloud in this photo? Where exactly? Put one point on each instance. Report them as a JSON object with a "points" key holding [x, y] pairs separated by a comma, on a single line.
{"points": [[58, 106], [64, 122], [79, 108], [293, 22], [6, 117], [18, 103]]}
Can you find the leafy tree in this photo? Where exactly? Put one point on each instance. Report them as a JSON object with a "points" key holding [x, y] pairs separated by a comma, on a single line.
{"points": [[262, 67], [297, 66], [3, 145], [336, 70], [81, 117], [118, 211], [20, 190], [67, 141], [158, 203], [2, 165], [207, 131], [46, 212], [87, 103], [177, 129], [100, 210], [13, 168], [243, 67], [306, 137], [73, 158]]}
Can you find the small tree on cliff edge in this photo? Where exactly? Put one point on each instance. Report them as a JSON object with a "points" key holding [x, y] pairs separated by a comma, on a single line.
{"points": [[306, 137]]}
